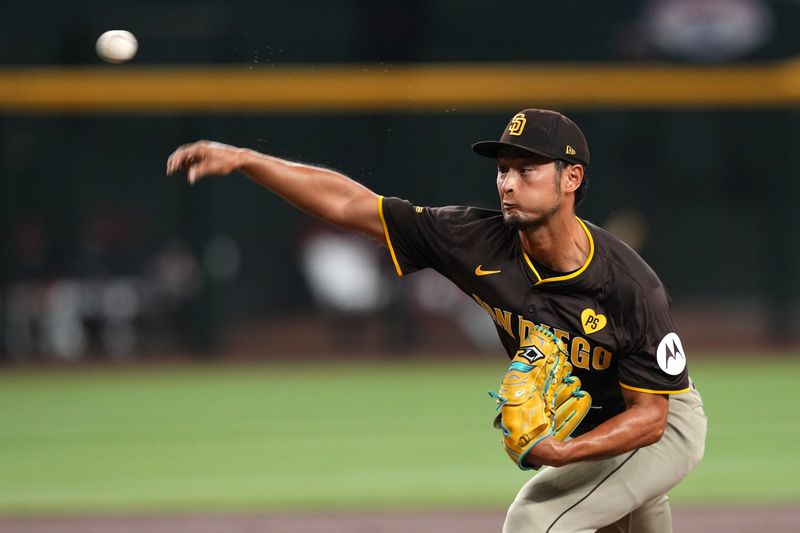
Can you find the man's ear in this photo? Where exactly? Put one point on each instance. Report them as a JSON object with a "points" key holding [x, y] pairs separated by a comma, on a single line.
{"points": [[572, 177]]}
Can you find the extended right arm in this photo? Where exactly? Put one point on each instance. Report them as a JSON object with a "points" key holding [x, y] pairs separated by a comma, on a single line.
{"points": [[324, 193]]}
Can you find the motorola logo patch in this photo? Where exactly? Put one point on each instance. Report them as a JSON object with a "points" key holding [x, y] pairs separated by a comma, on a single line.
{"points": [[670, 355]]}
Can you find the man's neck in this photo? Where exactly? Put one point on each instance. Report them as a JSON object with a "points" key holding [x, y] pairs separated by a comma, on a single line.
{"points": [[561, 244]]}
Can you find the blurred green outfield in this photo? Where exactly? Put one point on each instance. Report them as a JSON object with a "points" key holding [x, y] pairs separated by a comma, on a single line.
{"points": [[347, 435]]}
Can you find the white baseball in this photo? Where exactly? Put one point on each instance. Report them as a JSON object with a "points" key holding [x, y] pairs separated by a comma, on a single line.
{"points": [[117, 46]]}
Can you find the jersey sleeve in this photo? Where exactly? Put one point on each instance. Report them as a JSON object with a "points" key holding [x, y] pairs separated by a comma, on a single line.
{"points": [[656, 360], [419, 237]]}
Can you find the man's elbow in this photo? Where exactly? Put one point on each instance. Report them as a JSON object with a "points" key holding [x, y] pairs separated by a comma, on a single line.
{"points": [[655, 431], [650, 413], [654, 435]]}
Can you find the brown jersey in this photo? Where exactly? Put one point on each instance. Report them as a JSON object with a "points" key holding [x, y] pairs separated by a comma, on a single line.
{"points": [[612, 313]]}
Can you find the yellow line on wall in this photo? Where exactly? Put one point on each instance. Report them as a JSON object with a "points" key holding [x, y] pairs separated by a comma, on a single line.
{"points": [[428, 87]]}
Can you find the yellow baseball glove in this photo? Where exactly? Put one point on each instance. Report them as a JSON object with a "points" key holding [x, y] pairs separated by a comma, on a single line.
{"points": [[538, 396]]}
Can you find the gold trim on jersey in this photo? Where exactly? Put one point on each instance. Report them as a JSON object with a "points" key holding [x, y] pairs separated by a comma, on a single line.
{"points": [[651, 391], [571, 274], [388, 239]]}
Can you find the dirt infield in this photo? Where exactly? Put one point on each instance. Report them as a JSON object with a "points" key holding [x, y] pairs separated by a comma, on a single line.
{"points": [[686, 520]]}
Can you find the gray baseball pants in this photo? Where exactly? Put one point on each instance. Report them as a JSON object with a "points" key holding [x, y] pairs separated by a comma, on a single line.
{"points": [[623, 494]]}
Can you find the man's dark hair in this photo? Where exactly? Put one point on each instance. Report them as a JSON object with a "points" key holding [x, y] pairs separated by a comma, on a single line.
{"points": [[580, 193]]}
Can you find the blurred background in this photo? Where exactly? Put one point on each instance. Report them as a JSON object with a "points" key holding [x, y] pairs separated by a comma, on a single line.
{"points": [[103, 256], [690, 109]]}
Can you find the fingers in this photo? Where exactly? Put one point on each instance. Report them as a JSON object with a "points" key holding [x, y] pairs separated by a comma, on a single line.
{"points": [[181, 157], [203, 158], [187, 157], [194, 172]]}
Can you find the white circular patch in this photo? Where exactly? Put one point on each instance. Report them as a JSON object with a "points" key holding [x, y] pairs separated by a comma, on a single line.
{"points": [[670, 355]]}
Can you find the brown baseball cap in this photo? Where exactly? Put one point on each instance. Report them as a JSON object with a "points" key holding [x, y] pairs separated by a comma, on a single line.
{"points": [[542, 132]]}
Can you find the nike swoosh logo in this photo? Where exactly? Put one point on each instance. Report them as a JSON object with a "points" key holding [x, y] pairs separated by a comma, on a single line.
{"points": [[481, 272]]}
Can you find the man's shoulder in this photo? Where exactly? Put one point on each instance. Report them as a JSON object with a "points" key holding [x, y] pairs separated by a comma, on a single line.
{"points": [[464, 224], [476, 218], [475, 226], [634, 271], [464, 214]]}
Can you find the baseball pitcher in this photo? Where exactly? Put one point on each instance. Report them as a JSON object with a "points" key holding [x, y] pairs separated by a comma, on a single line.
{"points": [[597, 398]]}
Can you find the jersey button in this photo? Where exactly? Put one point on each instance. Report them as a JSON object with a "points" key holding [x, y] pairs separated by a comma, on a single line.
{"points": [[531, 308]]}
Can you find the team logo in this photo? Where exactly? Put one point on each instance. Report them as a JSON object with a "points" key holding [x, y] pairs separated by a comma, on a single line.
{"points": [[592, 322], [670, 355], [569, 150], [532, 354], [517, 124]]}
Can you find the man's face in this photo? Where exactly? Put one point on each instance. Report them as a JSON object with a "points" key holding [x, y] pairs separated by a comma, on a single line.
{"points": [[529, 187]]}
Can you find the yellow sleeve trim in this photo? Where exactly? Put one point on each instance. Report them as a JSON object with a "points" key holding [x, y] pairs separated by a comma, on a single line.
{"points": [[388, 239], [651, 391]]}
